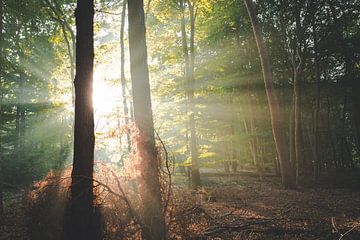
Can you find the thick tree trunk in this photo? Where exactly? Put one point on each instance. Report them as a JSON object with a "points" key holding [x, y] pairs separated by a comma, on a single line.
{"points": [[149, 185], [123, 78], [81, 223], [287, 173]]}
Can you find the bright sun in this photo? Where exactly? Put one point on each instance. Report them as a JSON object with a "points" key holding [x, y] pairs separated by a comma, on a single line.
{"points": [[105, 96]]}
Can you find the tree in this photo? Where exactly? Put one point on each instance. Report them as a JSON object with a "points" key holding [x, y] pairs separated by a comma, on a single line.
{"points": [[287, 173], [1, 102], [81, 224], [149, 185], [122, 77], [57, 14], [189, 57]]}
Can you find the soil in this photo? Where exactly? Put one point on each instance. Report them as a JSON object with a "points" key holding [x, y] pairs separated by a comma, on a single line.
{"points": [[12, 223], [242, 206]]}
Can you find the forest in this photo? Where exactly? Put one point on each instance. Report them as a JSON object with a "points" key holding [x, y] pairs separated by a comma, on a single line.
{"points": [[179, 119]]}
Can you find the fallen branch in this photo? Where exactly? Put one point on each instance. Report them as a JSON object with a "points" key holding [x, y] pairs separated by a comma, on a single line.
{"points": [[221, 228], [336, 229]]}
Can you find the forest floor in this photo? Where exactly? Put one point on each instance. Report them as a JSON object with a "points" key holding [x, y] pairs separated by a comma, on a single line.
{"points": [[12, 223], [241, 206]]}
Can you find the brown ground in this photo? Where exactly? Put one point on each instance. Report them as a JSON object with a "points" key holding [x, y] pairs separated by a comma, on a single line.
{"points": [[240, 206], [243, 207]]}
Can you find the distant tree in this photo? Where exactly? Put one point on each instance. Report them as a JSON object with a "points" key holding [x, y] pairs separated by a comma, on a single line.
{"points": [[287, 172], [57, 14], [149, 185], [122, 77], [189, 79]]}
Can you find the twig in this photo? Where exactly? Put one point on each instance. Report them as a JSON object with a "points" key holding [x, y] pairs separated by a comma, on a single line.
{"points": [[342, 235], [169, 172], [227, 214], [106, 12]]}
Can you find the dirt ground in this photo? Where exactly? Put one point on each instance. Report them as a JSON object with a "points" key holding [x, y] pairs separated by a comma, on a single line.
{"points": [[12, 223], [241, 206]]}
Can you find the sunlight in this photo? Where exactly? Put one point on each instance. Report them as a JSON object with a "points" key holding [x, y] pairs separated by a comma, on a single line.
{"points": [[105, 96]]}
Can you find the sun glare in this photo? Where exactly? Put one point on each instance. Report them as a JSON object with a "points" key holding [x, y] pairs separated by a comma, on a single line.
{"points": [[105, 96]]}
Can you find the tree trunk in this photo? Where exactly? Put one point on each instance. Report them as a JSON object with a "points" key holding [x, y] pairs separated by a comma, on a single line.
{"points": [[189, 56], [149, 185], [316, 155], [1, 103], [287, 173], [81, 224], [299, 165], [70, 43], [330, 137], [195, 173], [123, 78], [20, 114]]}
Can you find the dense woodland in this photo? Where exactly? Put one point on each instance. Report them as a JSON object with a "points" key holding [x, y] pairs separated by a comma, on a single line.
{"points": [[179, 119]]}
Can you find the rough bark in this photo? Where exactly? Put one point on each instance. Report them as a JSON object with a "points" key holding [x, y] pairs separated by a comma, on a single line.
{"points": [[81, 221], [149, 186], [1, 101], [287, 173]]}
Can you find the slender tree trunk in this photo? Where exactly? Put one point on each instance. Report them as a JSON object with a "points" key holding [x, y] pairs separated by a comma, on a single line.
{"points": [[186, 81], [81, 224], [1, 103], [233, 155], [330, 137], [149, 184], [123, 78], [189, 56], [288, 177], [299, 165], [195, 173], [316, 155], [20, 115], [292, 154], [252, 133], [70, 43], [342, 134], [71, 51]]}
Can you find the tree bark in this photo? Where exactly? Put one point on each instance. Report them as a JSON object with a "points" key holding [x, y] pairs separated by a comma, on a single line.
{"points": [[1, 102], [81, 224], [149, 185], [287, 173]]}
